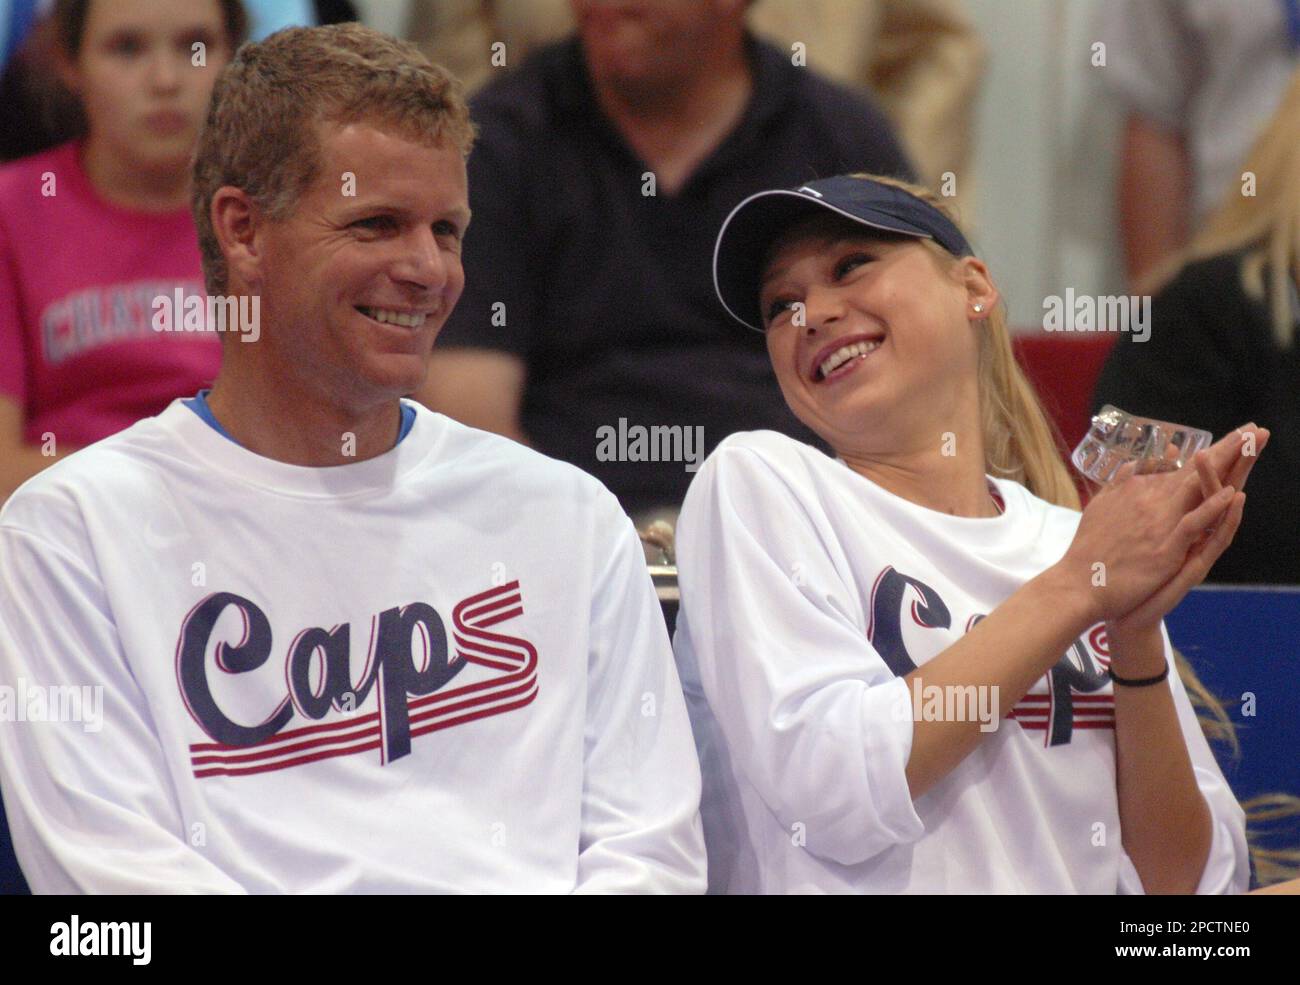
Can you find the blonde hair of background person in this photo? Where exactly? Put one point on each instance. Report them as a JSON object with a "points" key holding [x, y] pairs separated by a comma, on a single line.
{"points": [[1266, 224], [921, 59], [1020, 444]]}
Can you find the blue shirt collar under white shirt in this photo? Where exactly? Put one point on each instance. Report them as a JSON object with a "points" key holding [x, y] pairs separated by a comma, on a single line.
{"points": [[199, 404]]}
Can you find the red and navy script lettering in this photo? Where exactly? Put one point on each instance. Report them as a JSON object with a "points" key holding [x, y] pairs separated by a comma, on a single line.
{"points": [[409, 680], [1073, 695]]}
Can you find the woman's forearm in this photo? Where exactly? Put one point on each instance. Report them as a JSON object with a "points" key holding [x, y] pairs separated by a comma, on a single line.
{"points": [[1165, 823], [1006, 651]]}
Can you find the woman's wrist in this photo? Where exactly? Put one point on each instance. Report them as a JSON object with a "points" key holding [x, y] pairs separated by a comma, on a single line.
{"points": [[1136, 654], [1069, 591]]}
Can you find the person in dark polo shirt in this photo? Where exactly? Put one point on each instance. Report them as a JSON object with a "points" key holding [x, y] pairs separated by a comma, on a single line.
{"points": [[604, 168]]}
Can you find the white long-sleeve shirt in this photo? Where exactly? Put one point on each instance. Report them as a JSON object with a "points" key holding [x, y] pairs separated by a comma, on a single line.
{"points": [[807, 593], [440, 669]]}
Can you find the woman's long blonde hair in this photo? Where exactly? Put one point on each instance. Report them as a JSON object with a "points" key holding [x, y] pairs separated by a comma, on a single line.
{"points": [[1021, 444], [1259, 214]]}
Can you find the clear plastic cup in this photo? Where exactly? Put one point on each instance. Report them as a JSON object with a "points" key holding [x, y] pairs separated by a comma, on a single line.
{"points": [[1117, 437]]}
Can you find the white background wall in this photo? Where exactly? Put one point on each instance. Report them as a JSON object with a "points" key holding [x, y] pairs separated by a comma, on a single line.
{"points": [[388, 16], [1045, 144]]}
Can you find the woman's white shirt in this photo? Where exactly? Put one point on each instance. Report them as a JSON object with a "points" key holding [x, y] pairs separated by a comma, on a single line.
{"points": [[807, 593]]}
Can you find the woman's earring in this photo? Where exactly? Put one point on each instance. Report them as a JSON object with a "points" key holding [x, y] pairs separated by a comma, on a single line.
{"points": [[979, 308]]}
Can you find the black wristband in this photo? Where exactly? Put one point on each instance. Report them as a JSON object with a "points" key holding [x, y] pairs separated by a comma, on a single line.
{"points": [[1140, 682]]}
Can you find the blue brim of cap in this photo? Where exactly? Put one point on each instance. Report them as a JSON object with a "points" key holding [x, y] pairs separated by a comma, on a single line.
{"points": [[749, 232]]}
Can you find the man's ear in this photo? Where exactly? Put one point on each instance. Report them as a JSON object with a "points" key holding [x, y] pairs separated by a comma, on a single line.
{"points": [[237, 222], [980, 289]]}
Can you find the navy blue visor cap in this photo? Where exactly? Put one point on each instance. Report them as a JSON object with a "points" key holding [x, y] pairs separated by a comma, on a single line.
{"points": [[755, 224]]}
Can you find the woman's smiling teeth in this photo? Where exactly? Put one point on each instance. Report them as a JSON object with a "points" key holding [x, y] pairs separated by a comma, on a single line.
{"points": [[842, 355], [385, 317]]}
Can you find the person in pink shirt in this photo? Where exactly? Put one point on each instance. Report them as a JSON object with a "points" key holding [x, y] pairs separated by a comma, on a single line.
{"points": [[92, 231]]}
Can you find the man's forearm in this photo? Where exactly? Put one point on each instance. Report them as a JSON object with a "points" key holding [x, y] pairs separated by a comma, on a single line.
{"points": [[1155, 192]]}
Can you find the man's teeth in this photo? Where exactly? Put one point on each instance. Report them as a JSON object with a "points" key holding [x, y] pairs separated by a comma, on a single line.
{"points": [[843, 354], [394, 317]]}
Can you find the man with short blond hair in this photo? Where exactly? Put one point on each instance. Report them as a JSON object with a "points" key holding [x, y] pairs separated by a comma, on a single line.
{"points": [[346, 644]]}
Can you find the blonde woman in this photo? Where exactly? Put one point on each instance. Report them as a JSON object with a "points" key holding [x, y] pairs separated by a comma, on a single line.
{"points": [[915, 667], [1222, 346]]}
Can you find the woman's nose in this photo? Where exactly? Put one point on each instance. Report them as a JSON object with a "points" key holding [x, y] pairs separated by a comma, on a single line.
{"points": [[821, 307]]}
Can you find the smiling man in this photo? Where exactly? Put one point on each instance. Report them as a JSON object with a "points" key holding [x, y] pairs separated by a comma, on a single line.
{"points": [[346, 644]]}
